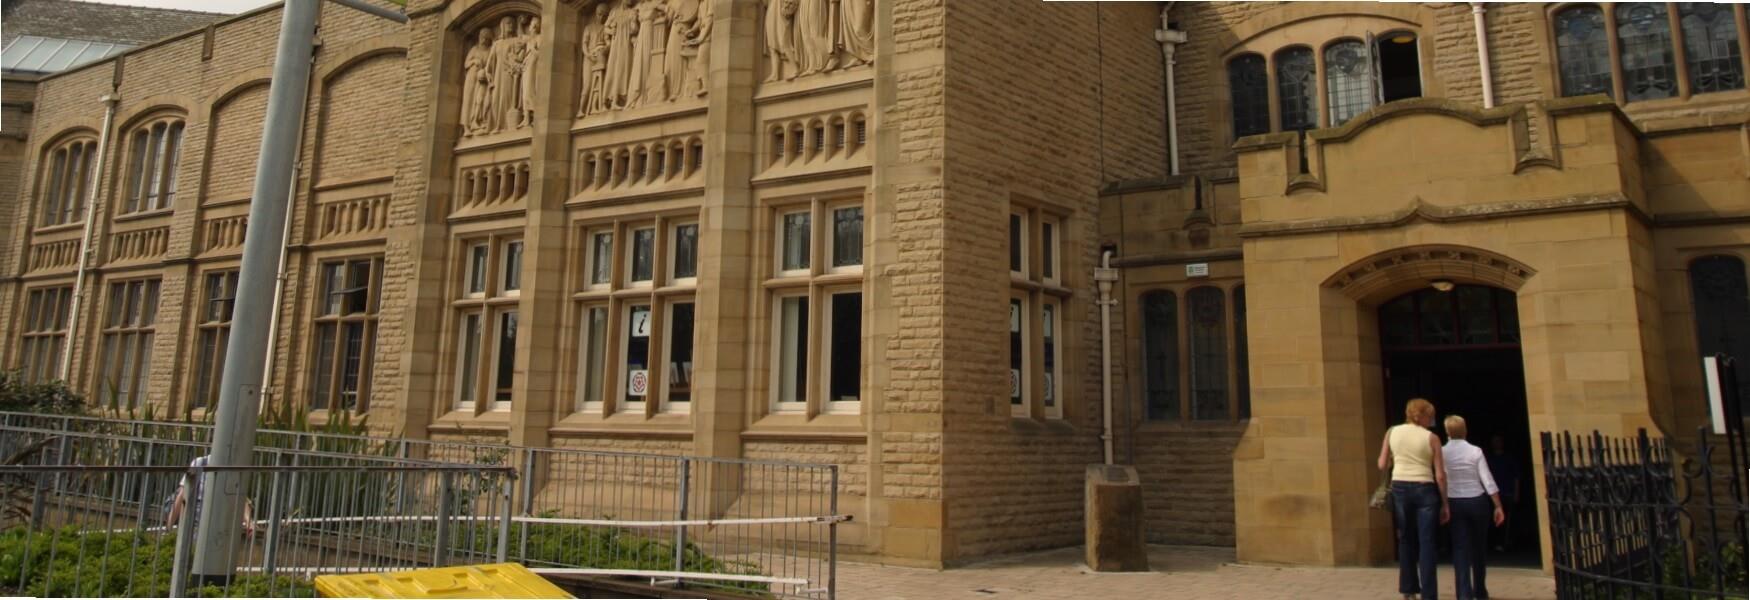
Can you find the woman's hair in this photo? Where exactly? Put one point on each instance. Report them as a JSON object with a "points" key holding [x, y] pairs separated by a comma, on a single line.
{"points": [[1455, 428], [1418, 409]]}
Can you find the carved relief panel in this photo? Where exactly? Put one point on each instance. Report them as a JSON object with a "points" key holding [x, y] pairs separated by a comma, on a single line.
{"points": [[498, 75], [638, 53], [805, 37]]}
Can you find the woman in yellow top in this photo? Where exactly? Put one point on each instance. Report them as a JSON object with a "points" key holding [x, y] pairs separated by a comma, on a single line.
{"points": [[1411, 455]]}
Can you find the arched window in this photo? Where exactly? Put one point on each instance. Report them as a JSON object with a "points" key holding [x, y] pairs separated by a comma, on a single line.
{"points": [[1241, 363], [65, 182], [1248, 85], [1649, 67], [1348, 80], [1582, 51], [1160, 349], [1710, 47], [1722, 313], [1208, 337], [1295, 86], [152, 161]]}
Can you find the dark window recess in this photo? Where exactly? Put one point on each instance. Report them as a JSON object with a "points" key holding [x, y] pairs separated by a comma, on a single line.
{"points": [[1722, 314], [847, 347], [1017, 340], [1295, 85], [1582, 51], [1241, 362], [847, 237], [1249, 87], [1400, 67], [1160, 348], [643, 254], [686, 251], [680, 354], [1016, 247], [1468, 315], [506, 371], [1208, 354]]}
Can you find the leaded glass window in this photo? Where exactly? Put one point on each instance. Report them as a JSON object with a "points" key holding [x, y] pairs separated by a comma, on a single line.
{"points": [[1348, 80], [1722, 314], [1582, 51], [1249, 88], [1208, 354], [1160, 348], [1295, 86], [1710, 46], [1649, 66]]}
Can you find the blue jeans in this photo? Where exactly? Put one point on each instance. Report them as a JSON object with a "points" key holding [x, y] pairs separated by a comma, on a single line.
{"points": [[1470, 538], [1417, 507]]}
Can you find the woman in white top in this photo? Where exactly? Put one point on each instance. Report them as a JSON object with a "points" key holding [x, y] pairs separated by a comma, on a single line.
{"points": [[1471, 490], [1418, 486]]}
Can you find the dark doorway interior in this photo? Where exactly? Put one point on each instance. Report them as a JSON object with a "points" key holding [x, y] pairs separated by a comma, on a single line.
{"points": [[1460, 349]]}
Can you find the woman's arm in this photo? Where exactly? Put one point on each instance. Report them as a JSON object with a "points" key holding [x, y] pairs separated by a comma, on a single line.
{"points": [[1385, 452], [1440, 476], [176, 507], [1490, 487]]}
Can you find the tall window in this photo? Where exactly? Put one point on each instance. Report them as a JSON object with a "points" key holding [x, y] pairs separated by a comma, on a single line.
{"points": [[635, 326], [152, 157], [1036, 299], [1242, 363], [816, 304], [1248, 83], [1160, 355], [44, 332], [346, 333], [1649, 66], [218, 298], [486, 322], [66, 182], [1208, 338], [1722, 314], [127, 341], [1295, 88], [1710, 46], [1644, 62], [1348, 79]]}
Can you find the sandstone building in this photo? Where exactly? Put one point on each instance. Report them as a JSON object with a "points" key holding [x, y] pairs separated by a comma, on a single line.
{"points": [[865, 232]]}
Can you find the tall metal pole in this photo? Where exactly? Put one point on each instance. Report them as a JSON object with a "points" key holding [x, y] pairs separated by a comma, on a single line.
{"points": [[240, 383]]}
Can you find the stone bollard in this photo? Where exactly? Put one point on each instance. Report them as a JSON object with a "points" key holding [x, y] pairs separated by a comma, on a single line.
{"points": [[1114, 519]]}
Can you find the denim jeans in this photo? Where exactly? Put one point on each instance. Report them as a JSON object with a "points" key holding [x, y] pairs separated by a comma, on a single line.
{"points": [[1417, 507], [1470, 538]]}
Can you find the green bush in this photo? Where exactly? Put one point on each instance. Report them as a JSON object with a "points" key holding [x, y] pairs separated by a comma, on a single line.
{"points": [[17, 395], [69, 563]]}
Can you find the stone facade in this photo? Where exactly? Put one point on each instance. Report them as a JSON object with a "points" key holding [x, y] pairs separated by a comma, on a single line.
{"points": [[458, 173]]}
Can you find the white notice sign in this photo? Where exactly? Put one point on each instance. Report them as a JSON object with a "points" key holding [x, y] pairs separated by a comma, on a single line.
{"points": [[641, 322], [1197, 270], [1014, 383], [638, 383]]}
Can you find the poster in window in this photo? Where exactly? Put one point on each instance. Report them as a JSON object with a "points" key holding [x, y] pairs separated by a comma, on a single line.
{"points": [[1014, 383], [638, 383], [641, 323]]}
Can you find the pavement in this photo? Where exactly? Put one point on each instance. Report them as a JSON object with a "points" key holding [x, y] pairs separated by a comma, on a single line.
{"points": [[1178, 572]]}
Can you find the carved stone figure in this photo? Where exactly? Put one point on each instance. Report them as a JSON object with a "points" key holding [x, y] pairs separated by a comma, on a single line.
{"points": [[683, 16], [507, 59], [650, 22], [857, 31], [815, 36], [476, 82], [531, 52], [621, 28], [595, 62], [697, 52], [780, 41]]}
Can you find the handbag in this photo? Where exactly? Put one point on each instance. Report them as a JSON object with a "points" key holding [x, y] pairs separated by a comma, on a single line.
{"points": [[1381, 498]]}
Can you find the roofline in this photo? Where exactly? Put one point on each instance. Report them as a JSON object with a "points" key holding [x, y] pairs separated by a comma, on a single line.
{"points": [[232, 19], [151, 8]]}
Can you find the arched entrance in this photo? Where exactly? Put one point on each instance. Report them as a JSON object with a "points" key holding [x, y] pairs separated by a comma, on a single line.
{"points": [[1458, 346]]}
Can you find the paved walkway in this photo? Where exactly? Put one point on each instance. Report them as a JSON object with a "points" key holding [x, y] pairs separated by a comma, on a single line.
{"points": [[1180, 572]]}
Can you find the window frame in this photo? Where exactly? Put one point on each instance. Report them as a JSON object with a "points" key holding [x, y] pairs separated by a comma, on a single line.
{"points": [[489, 306], [803, 360], [1679, 52], [1035, 291], [64, 181], [782, 230], [616, 297], [39, 329], [141, 193], [817, 283], [366, 317], [674, 253], [136, 331], [1234, 360], [830, 243], [218, 328], [830, 404]]}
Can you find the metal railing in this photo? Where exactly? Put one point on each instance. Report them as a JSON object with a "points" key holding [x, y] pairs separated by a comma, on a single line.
{"points": [[767, 528], [1630, 520], [107, 516]]}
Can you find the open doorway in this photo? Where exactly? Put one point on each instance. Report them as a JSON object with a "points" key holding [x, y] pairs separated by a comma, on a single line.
{"points": [[1459, 347]]}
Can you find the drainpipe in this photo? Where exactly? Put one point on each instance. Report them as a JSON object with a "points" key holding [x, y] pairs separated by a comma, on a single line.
{"points": [[1476, 13], [1170, 39], [268, 391], [85, 250], [1105, 276]]}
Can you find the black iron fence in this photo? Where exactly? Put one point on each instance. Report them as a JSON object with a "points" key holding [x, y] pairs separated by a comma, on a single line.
{"points": [[1632, 518]]}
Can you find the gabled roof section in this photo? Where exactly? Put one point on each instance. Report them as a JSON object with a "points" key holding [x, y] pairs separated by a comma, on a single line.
{"points": [[42, 55], [90, 21]]}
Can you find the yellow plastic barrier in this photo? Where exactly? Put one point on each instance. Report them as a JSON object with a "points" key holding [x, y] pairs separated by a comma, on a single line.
{"points": [[478, 581]]}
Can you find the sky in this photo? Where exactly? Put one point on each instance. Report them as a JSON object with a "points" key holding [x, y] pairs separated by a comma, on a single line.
{"points": [[218, 6]]}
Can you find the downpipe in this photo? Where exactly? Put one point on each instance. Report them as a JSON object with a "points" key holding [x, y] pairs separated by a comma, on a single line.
{"points": [[1477, 10], [101, 158], [1170, 39], [1105, 276]]}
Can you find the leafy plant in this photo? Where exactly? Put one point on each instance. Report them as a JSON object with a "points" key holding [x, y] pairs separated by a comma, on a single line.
{"points": [[18, 395], [70, 563]]}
